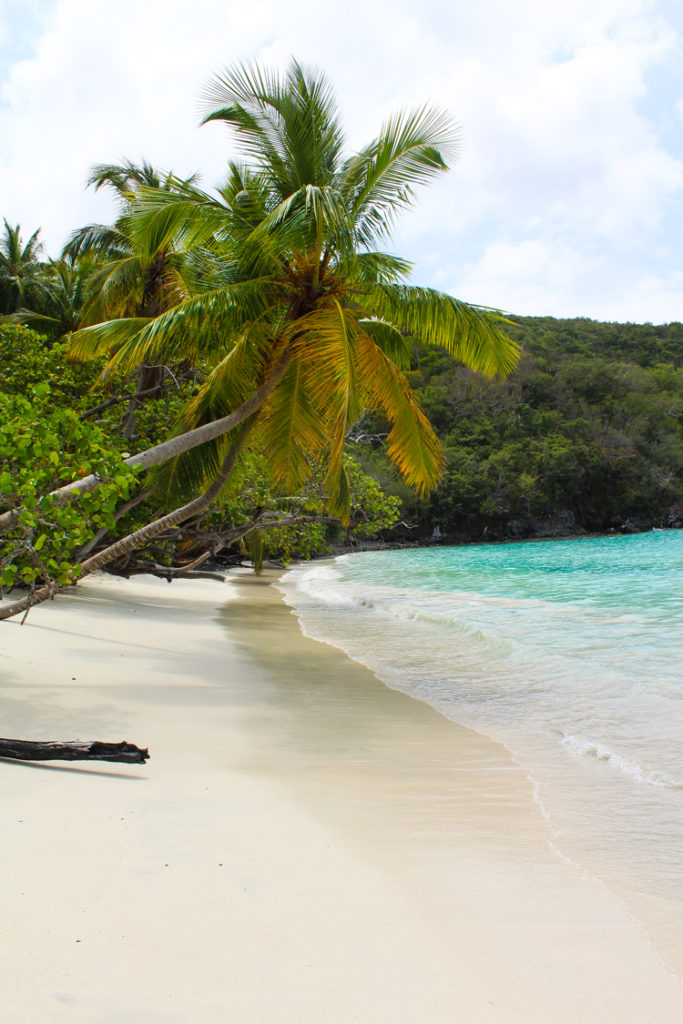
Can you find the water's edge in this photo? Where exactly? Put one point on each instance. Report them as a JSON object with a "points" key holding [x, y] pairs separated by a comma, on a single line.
{"points": [[620, 817]]}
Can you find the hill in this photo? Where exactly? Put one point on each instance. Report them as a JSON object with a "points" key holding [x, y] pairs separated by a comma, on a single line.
{"points": [[585, 435]]}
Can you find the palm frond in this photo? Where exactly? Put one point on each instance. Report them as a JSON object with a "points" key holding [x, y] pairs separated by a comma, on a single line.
{"points": [[203, 326], [128, 179], [115, 288], [247, 196], [396, 346], [228, 385], [41, 323], [289, 125], [122, 177], [410, 150], [339, 492], [310, 216], [471, 334], [291, 429], [412, 444], [98, 240], [162, 220], [104, 338], [326, 344], [247, 97], [329, 360], [231, 381], [378, 268], [312, 126]]}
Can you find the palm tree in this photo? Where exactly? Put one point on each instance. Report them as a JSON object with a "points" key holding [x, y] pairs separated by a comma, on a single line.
{"points": [[304, 320], [130, 278], [299, 295], [20, 269], [58, 308]]}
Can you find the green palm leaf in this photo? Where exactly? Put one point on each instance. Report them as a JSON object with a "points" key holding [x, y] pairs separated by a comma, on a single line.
{"points": [[378, 268], [97, 240], [102, 339], [390, 340], [412, 444], [469, 333], [410, 150], [289, 127], [205, 325], [291, 430], [227, 386]]}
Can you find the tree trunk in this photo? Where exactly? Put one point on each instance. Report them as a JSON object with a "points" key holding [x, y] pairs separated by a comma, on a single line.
{"points": [[149, 382], [26, 750]]}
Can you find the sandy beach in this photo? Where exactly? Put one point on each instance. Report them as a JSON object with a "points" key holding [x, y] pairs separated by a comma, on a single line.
{"points": [[305, 846]]}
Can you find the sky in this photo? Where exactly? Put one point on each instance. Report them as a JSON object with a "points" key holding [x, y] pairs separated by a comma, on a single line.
{"points": [[566, 198]]}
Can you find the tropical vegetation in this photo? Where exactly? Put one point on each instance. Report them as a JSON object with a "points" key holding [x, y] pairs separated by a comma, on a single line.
{"points": [[21, 277], [282, 323], [586, 435]]}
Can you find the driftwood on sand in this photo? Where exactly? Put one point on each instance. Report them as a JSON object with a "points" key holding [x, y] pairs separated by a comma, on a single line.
{"points": [[27, 750]]}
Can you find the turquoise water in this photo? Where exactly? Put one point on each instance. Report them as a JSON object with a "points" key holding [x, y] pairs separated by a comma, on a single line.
{"points": [[567, 652]]}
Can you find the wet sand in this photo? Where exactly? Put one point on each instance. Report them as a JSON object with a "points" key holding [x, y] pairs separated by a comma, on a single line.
{"points": [[305, 844]]}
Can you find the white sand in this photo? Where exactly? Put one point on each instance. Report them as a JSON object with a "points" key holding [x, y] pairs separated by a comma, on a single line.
{"points": [[304, 847]]}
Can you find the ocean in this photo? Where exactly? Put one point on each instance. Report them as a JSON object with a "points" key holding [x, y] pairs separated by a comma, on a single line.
{"points": [[570, 654]]}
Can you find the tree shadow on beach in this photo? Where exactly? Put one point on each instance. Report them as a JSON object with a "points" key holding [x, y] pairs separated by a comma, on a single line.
{"points": [[72, 770]]}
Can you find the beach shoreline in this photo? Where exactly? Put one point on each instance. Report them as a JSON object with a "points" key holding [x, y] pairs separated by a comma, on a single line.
{"points": [[304, 845]]}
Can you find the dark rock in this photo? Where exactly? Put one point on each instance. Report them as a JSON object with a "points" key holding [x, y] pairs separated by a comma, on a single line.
{"points": [[561, 525]]}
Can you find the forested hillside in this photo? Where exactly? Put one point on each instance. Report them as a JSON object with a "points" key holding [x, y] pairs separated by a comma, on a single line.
{"points": [[584, 435]]}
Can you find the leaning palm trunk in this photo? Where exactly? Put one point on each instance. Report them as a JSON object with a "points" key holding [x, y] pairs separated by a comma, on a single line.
{"points": [[141, 536], [175, 446]]}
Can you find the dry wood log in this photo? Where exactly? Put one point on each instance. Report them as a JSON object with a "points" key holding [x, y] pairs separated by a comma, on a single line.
{"points": [[27, 750]]}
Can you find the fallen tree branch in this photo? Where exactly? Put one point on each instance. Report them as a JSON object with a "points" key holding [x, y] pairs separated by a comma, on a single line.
{"points": [[27, 750], [110, 401]]}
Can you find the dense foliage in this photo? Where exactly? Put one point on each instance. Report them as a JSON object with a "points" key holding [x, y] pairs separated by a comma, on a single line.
{"points": [[586, 433], [42, 446], [49, 436]]}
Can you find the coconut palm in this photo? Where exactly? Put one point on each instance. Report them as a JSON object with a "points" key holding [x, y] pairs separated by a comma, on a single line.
{"points": [[302, 307], [130, 278], [302, 317], [58, 307], [20, 269]]}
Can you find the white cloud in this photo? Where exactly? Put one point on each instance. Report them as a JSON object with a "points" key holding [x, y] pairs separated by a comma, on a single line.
{"points": [[562, 169], [528, 276], [535, 276]]}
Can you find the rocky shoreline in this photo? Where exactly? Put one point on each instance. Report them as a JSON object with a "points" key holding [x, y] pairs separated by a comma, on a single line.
{"points": [[561, 526]]}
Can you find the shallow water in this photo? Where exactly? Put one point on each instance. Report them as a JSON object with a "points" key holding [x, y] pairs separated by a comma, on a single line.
{"points": [[569, 653]]}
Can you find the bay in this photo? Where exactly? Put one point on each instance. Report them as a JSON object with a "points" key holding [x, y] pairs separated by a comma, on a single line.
{"points": [[566, 652]]}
